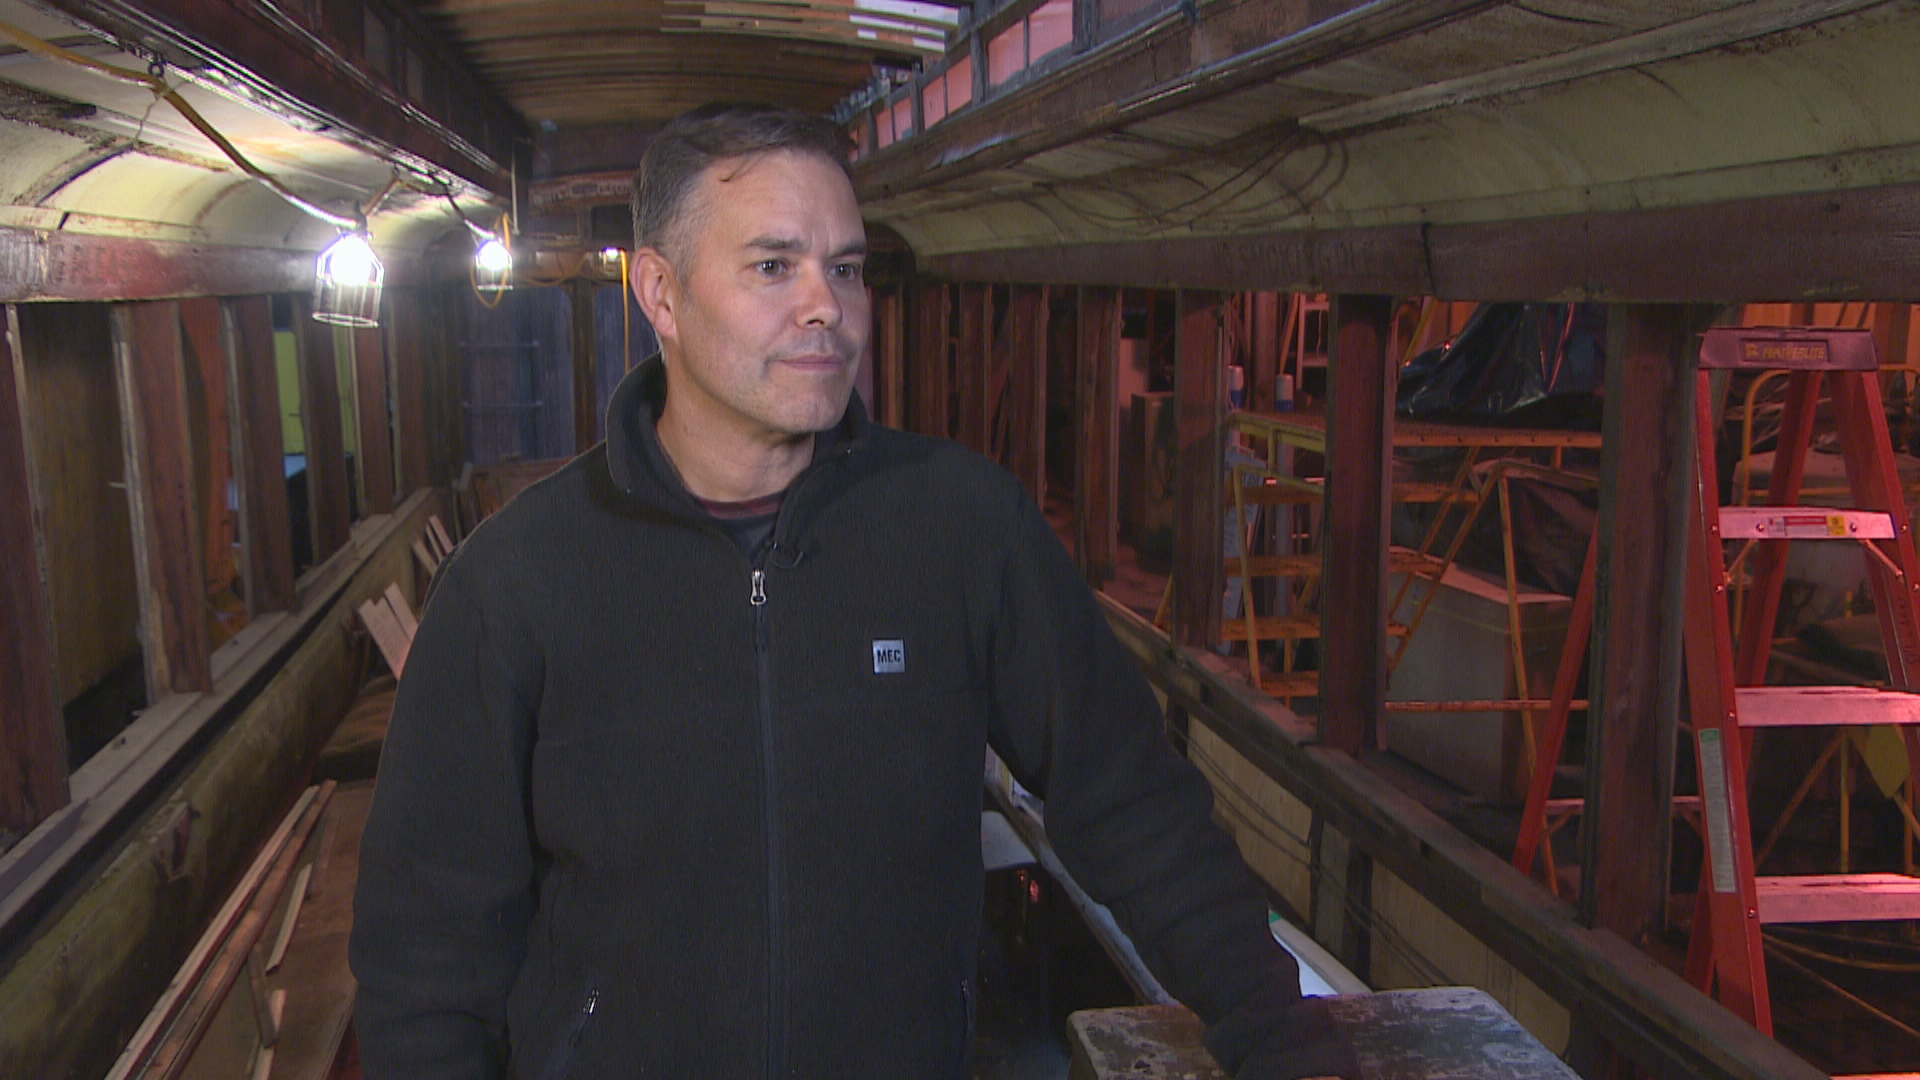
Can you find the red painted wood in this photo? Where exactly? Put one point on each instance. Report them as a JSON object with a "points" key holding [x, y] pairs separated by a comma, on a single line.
{"points": [[33, 772], [1199, 390], [260, 463], [376, 426], [1353, 659], [971, 366], [161, 487], [1838, 898], [327, 477], [931, 365], [1097, 435]]}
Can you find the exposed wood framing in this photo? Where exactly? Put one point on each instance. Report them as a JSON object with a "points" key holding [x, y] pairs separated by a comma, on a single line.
{"points": [[33, 776], [409, 389], [150, 367], [329, 509], [1026, 400], [932, 368], [1264, 327], [373, 413], [36, 265], [1199, 392], [260, 463], [971, 366], [1645, 473], [586, 381], [1845, 244], [1096, 491], [209, 403], [1665, 1026], [1353, 658], [889, 356]]}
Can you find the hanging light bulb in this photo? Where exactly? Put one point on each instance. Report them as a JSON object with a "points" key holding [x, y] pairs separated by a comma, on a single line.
{"points": [[347, 282], [492, 266]]}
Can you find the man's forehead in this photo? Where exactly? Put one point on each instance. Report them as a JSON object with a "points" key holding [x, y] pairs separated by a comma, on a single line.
{"points": [[761, 222]]}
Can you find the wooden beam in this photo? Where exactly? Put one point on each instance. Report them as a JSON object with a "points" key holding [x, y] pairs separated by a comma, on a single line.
{"points": [[1646, 465], [1026, 351], [1096, 493], [1353, 658], [150, 365], [1266, 331], [329, 508], [409, 388], [33, 779], [36, 265], [1199, 390], [208, 405], [1845, 244], [889, 354], [375, 416], [586, 379], [971, 364], [260, 465], [932, 366]]}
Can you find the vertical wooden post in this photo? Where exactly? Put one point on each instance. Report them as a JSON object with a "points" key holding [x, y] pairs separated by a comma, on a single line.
{"points": [[1026, 350], [586, 379], [889, 354], [1096, 488], [327, 481], [1646, 467], [972, 363], [1199, 390], [1353, 657], [33, 771], [408, 364], [1266, 351], [932, 366], [375, 417], [260, 465], [150, 366], [206, 367]]}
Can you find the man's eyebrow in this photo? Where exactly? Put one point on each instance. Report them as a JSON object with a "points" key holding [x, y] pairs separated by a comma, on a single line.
{"points": [[788, 243]]}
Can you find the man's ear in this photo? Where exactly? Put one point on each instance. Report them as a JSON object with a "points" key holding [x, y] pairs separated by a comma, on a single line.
{"points": [[657, 290]]}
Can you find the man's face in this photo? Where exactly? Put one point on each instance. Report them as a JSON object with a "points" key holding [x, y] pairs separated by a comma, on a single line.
{"points": [[765, 330]]}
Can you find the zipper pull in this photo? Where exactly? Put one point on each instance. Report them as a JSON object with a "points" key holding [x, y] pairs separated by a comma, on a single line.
{"points": [[759, 596]]}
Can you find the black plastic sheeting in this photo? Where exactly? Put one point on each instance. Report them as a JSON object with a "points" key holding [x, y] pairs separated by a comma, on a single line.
{"points": [[1514, 365]]}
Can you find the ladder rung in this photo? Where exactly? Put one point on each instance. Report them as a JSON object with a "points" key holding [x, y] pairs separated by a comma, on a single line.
{"points": [[1803, 523], [1838, 898], [1273, 495], [1276, 565], [1824, 706], [1482, 705], [1284, 628], [1564, 807], [1290, 683]]}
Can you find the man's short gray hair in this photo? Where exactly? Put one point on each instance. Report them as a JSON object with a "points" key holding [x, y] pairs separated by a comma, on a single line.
{"points": [[695, 140]]}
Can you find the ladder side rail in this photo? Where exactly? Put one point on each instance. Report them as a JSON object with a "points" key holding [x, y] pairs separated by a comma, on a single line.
{"points": [[1732, 908], [1573, 653], [1874, 477], [1769, 562]]}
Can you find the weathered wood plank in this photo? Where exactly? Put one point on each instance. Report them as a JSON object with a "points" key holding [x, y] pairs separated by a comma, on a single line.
{"points": [[33, 781], [889, 356], [37, 265], [1097, 435], [931, 365], [374, 415], [209, 402], [1199, 390], [1264, 370], [1353, 661], [409, 390], [1026, 352], [329, 509], [971, 366], [260, 464], [1646, 461], [160, 490]]}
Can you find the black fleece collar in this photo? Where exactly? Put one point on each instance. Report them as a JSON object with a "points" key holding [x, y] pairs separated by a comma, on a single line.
{"points": [[639, 465]]}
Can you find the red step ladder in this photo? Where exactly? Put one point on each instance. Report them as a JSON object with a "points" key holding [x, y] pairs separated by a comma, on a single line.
{"points": [[1726, 953]]}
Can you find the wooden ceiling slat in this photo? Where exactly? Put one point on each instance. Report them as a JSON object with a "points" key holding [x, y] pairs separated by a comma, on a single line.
{"points": [[837, 10]]}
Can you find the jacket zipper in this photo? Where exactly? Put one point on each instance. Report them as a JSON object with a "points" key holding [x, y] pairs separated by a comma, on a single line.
{"points": [[563, 1054], [763, 663]]}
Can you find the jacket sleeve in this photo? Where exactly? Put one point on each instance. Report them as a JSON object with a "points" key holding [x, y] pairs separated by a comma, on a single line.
{"points": [[448, 870], [1132, 820]]}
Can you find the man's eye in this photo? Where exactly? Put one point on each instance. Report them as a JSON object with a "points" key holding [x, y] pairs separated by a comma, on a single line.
{"points": [[771, 267], [848, 271]]}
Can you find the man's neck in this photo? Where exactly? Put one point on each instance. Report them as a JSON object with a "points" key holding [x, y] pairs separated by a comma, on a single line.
{"points": [[721, 469]]}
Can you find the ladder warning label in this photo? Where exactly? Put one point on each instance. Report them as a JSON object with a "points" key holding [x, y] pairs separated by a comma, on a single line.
{"points": [[1713, 796]]}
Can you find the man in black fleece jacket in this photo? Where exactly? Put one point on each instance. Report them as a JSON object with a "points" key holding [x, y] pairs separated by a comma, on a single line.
{"points": [[684, 776]]}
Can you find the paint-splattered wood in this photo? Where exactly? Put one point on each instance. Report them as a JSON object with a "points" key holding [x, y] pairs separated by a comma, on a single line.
{"points": [[373, 412], [1353, 661], [260, 463], [328, 481], [1199, 389], [1430, 1034], [1096, 496], [161, 496], [931, 363], [33, 781]]}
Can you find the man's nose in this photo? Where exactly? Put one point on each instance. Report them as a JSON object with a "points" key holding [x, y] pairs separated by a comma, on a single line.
{"points": [[819, 303]]}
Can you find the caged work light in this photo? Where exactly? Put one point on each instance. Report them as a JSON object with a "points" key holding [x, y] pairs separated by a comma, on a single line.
{"points": [[492, 265], [347, 281]]}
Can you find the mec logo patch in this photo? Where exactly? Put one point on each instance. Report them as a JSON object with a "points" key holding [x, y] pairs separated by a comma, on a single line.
{"points": [[889, 657]]}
